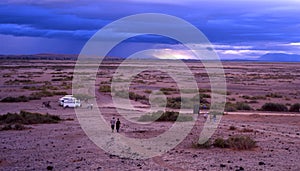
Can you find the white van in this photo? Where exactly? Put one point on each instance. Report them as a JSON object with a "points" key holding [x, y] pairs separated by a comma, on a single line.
{"points": [[65, 98], [69, 101]]}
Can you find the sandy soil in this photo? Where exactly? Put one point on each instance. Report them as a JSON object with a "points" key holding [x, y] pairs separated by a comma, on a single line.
{"points": [[65, 146]]}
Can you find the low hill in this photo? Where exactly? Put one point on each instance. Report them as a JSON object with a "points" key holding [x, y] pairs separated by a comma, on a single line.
{"points": [[279, 57]]}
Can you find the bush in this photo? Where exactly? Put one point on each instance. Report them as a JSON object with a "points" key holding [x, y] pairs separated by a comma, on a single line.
{"points": [[232, 128], [174, 103], [274, 95], [105, 89], [15, 99], [33, 96], [136, 97], [13, 127], [148, 91], [295, 107], [238, 142], [83, 96], [45, 93], [207, 144], [161, 116], [241, 142], [25, 117], [166, 90], [242, 106], [231, 107], [274, 107], [131, 95], [247, 130], [221, 143]]}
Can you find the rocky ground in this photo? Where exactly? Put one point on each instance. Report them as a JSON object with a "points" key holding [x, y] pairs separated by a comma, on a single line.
{"points": [[65, 146]]}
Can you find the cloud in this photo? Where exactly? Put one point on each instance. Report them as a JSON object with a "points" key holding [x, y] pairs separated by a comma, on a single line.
{"points": [[235, 27]]}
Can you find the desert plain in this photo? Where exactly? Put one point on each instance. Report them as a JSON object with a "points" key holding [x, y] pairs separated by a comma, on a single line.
{"points": [[65, 146]]}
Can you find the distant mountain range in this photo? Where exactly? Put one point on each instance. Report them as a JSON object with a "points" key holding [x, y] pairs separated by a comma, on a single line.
{"points": [[47, 56], [279, 57], [42, 56], [269, 57]]}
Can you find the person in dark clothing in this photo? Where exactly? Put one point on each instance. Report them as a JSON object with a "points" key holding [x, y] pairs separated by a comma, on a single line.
{"points": [[118, 123]]}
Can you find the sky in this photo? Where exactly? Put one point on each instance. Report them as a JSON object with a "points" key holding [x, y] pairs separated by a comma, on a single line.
{"points": [[238, 29]]}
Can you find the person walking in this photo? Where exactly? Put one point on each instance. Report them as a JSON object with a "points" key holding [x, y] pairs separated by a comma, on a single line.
{"points": [[118, 123], [112, 124]]}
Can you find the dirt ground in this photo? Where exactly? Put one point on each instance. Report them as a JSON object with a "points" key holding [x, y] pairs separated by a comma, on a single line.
{"points": [[65, 146]]}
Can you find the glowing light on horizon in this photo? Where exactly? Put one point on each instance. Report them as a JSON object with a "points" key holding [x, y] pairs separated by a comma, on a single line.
{"points": [[295, 44], [174, 54]]}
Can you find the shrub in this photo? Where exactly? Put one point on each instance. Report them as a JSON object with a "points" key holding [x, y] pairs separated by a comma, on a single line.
{"points": [[207, 144], [241, 142], [82, 96], [221, 143], [295, 107], [174, 102], [136, 97], [274, 95], [230, 107], [45, 93], [131, 95], [16, 126], [274, 107], [15, 99], [168, 89], [33, 96], [25, 117], [148, 91], [247, 130], [242, 106], [202, 96], [232, 128], [105, 89], [165, 116]]}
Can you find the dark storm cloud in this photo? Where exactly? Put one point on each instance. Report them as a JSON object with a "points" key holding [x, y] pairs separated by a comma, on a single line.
{"points": [[223, 22]]}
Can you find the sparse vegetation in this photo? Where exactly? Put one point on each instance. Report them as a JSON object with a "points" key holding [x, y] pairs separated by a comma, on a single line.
{"points": [[207, 144], [295, 107], [231, 107], [105, 89], [221, 143], [242, 106], [274, 107], [14, 121], [13, 127], [241, 142], [10, 99], [247, 130], [148, 91], [65, 78], [165, 116], [17, 82], [274, 95], [82, 96], [232, 128], [131, 95], [174, 102], [25, 117], [32, 96], [253, 97], [238, 142], [45, 93]]}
